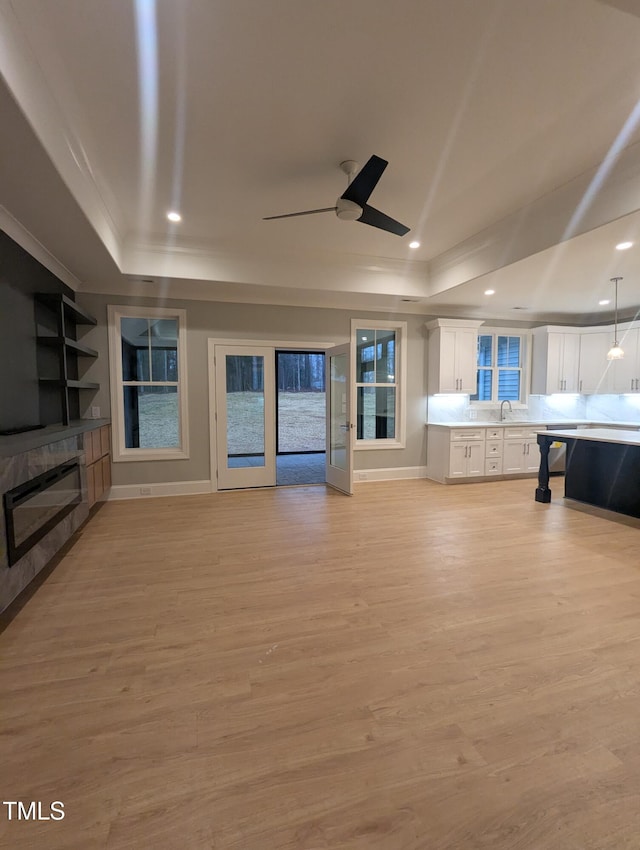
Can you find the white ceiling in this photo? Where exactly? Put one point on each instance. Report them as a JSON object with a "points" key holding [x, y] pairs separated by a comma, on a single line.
{"points": [[511, 129]]}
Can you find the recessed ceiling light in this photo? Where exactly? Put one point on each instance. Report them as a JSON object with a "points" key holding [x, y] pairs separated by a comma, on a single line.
{"points": [[174, 216], [414, 244], [489, 292], [623, 246], [604, 301]]}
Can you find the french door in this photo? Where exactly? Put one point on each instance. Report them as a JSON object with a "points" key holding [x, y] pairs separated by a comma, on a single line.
{"points": [[245, 417], [339, 456]]}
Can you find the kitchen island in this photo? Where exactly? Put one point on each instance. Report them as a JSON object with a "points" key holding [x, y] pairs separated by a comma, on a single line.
{"points": [[602, 468]]}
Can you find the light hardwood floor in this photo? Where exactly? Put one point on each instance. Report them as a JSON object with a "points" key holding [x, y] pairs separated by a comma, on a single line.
{"points": [[418, 666]]}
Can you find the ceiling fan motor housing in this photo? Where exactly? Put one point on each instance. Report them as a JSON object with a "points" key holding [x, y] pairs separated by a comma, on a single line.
{"points": [[348, 210]]}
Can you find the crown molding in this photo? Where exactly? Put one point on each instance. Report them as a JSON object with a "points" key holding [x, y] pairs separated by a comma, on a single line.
{"points": [[28, 241]]}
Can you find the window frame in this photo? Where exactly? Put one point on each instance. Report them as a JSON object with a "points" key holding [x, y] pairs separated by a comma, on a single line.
{"points": [[117, 383], [525, 369], [400, 384]]}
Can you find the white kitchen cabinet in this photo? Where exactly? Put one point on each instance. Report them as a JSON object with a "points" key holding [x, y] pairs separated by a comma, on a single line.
{"points": [[556, 361], [520, 451], [466, 459], [626, 372], [453, 354], [463, 453], [595, 374]]}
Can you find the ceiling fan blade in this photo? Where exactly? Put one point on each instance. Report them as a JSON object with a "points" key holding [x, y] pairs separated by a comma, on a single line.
{"points": [[365, 181], [375, 218], [305, 212]]}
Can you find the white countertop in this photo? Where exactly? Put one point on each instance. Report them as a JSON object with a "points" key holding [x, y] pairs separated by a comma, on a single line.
{"points": [[599, 435]]}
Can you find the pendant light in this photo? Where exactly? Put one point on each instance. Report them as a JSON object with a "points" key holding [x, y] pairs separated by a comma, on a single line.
{"points": [[615, 352]]}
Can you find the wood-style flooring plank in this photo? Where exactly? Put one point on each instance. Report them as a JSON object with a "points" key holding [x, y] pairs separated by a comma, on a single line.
{"points": [[418, 667]]}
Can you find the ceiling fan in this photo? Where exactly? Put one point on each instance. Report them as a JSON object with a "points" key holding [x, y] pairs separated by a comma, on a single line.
{"points": [[352, 204]]}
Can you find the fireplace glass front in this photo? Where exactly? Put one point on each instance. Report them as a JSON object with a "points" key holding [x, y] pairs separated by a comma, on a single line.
{"points": [[32, 509]]}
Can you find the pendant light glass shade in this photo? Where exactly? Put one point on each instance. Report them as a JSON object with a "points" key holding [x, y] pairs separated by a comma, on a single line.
{"points": [[615, 352]]}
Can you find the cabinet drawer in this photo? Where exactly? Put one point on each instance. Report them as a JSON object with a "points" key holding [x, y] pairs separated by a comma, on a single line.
{"points": [[526, 433], [467, 434], [493, 466], [493, 448], [515, 433], [494, 433]]}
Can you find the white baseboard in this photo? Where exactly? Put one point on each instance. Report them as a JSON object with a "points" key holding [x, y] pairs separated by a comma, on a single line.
{"points": [[390, 474], [149, 491]]}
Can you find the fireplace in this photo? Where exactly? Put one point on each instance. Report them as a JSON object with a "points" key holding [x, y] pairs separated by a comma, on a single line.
{"points": [[32, 509]]}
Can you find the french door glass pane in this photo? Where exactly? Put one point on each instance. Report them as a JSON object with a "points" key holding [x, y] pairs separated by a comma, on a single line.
{"points": [[245, 410], [151, 417], [338, 425], [376, 412]]}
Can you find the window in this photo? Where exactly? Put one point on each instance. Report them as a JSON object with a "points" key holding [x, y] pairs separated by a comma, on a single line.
{"points": [[501, 374], [379, 370], [147, 356]]}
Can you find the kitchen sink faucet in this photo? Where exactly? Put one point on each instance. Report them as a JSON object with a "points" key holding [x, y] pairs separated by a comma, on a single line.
{"points": [[506, 401]]}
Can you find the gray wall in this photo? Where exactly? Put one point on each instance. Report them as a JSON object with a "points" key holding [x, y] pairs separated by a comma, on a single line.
{"points": [[206, 319]]}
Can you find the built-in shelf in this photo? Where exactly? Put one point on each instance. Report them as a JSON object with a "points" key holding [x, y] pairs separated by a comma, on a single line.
{"points": [[55, 301], [70, 344], [56, 329], [71, 384]]}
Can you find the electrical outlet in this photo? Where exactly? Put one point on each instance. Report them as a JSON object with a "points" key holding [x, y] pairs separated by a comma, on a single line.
{"points": [[95, 412], [362, 476], [473, 413], [145, 491]]}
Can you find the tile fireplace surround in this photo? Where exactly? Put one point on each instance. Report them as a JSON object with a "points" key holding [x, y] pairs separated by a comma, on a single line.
{"points": [[22, 458]]}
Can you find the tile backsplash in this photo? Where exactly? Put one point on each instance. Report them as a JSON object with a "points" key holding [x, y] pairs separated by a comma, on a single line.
{"points": [[598, 408]]}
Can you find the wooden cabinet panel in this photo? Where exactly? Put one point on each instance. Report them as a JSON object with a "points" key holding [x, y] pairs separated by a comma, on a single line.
{"points": [[106, 473], [105, 433], [97, 444], [91, 485]]}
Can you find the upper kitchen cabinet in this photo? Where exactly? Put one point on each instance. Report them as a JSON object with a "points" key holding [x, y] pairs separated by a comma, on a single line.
{"points": [[626, 372], [595, 373], [556, 360], [453, 352]]}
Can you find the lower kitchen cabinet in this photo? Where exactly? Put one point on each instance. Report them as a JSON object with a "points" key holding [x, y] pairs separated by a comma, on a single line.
{"points": [[520, 451], [466, 460], [459, 454], [520, 456]]}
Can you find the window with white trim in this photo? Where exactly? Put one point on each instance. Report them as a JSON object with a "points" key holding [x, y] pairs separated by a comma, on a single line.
{"points": [[147, 355], [379, 369], [502, 368]]}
